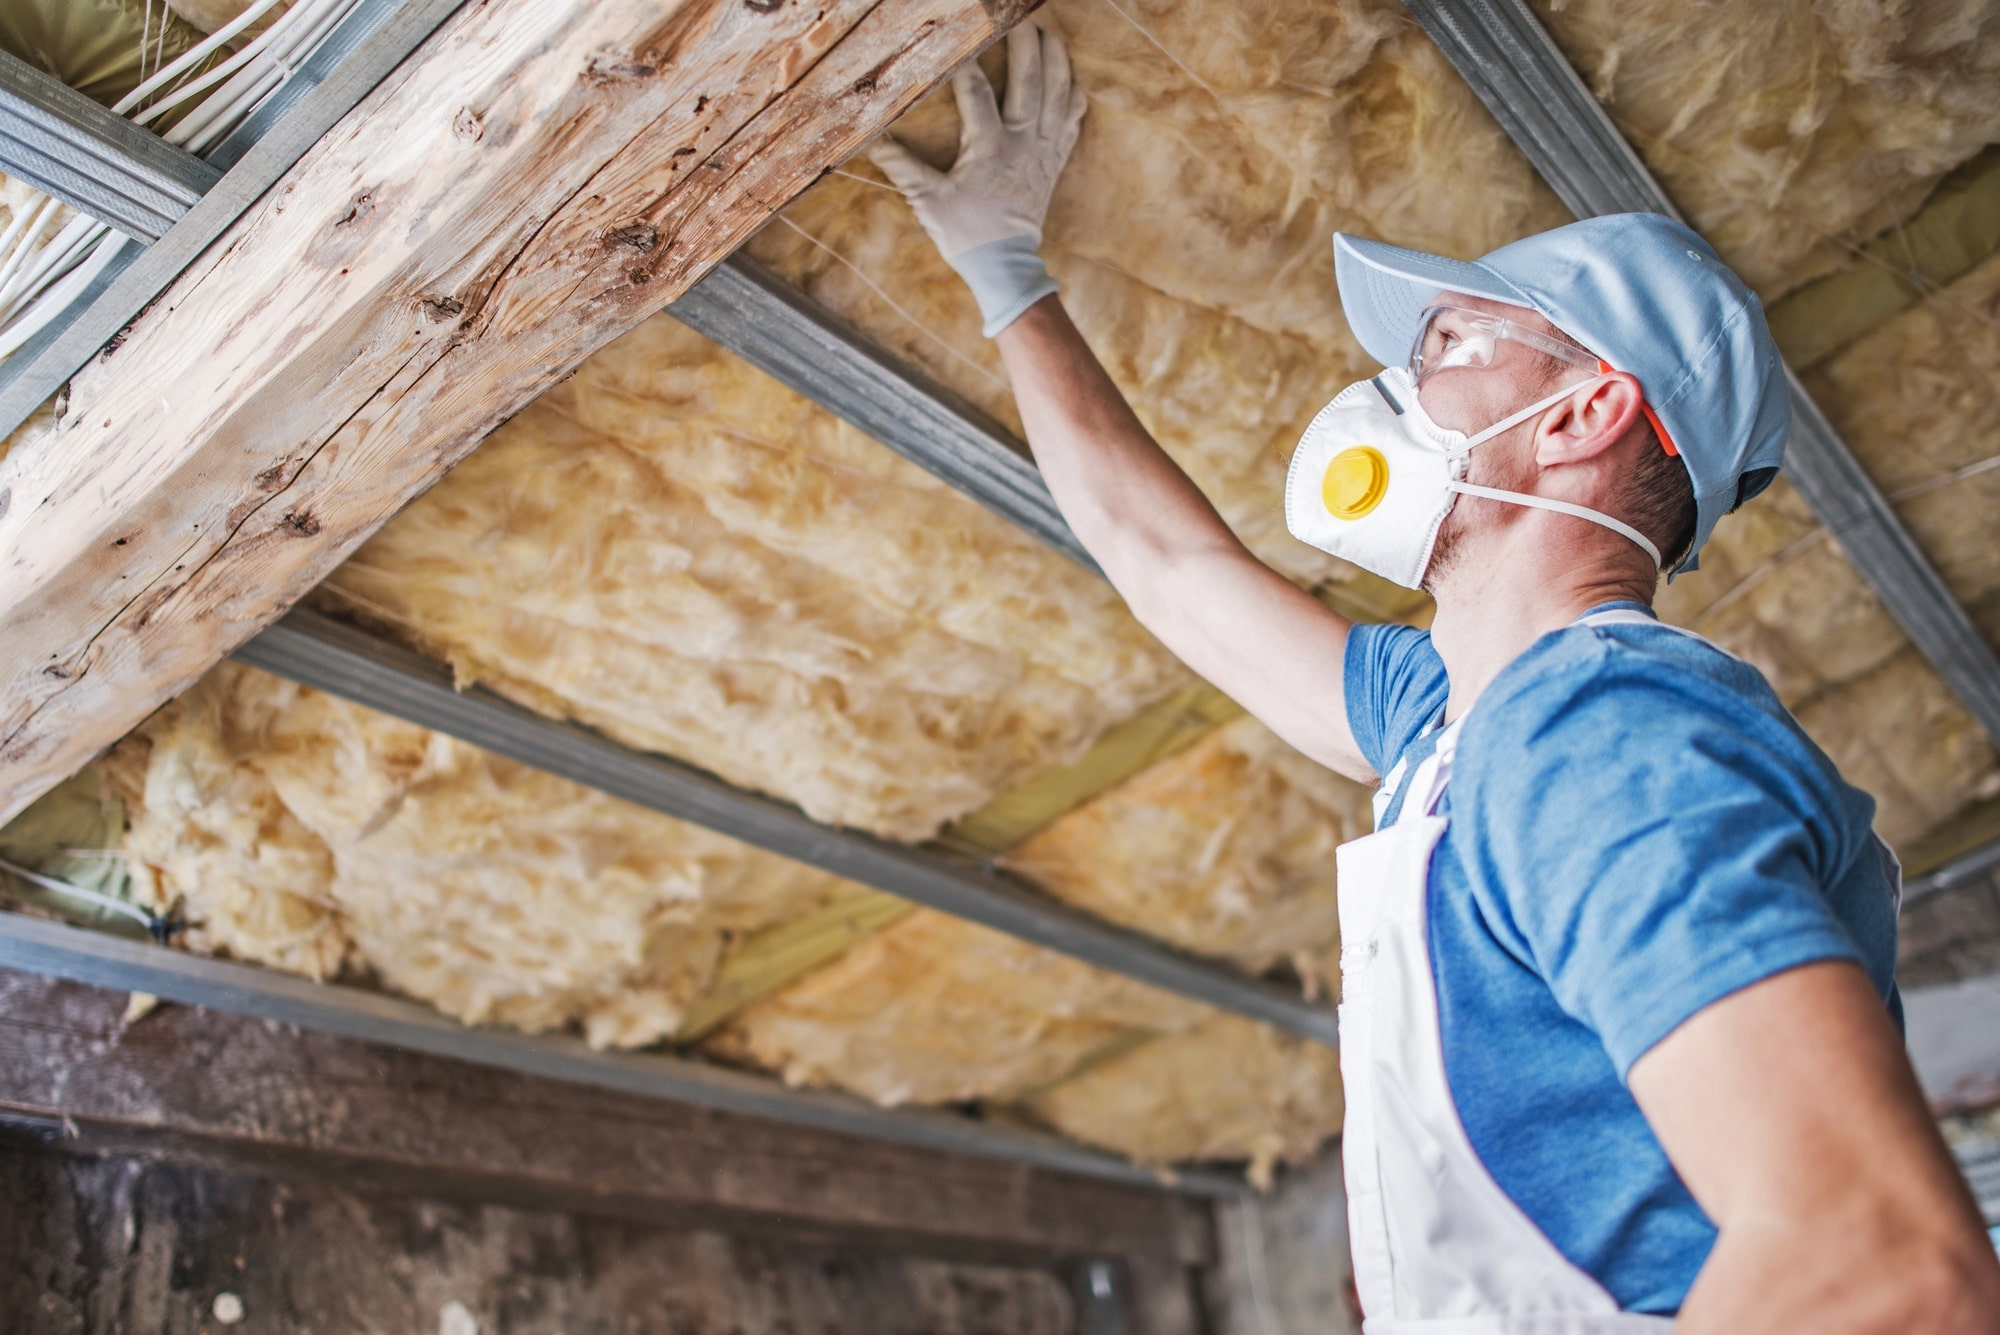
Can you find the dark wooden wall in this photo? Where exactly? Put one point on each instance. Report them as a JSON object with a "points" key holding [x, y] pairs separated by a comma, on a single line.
{"points": [[338, 1187]]}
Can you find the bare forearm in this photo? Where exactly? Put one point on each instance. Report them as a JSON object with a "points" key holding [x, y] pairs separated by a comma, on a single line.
{"points": [[1792, 1114], [1845, 1274], [1126, 500], [1185, 575]]}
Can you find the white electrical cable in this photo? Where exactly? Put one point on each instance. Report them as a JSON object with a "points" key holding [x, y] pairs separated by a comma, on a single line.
{"points": [[47, 307], [195, 54], [37, 285]]}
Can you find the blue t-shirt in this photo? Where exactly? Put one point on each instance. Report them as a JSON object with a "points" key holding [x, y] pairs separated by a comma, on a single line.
{"points": [[1638, 829]]}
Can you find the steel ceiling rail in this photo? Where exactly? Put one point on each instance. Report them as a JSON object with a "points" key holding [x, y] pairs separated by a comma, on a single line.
{"points": [[341, 660], [65, 145], [374, 38], [1502, 50], [99, 960], [772, 325], [1980, 862]]}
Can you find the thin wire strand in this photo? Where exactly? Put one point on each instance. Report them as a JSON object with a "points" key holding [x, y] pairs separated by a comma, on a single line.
{"points": [[866, 180], [150, 921], [1254, 1269], [1162, 47], [894, 305], [1965, 473]]}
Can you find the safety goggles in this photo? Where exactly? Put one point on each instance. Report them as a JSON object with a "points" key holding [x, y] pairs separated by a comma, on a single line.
{"points": [[1453, 336]]}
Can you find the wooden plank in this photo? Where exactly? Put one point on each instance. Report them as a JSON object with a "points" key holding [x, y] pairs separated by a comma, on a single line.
{"points": [[98, 960], [135, 1244], [535, 180], [254, 1091]]}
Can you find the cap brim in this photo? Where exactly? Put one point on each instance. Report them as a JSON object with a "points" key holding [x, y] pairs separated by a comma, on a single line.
{"points": [[1384, 291]]}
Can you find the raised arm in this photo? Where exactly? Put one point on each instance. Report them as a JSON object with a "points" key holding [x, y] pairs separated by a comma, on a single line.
{"points": [[1269, 645], [1790, 1111]]}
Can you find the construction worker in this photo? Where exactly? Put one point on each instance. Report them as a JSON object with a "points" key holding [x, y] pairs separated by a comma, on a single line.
{"points": [[1619, 1027]]}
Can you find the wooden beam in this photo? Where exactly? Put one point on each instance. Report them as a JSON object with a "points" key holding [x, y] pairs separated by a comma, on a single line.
{"points": [[206, 1085], [534, 181], [102, 960]]}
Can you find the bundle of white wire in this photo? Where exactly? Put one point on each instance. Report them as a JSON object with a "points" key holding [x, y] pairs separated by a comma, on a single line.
{"points": [[38, 285]]}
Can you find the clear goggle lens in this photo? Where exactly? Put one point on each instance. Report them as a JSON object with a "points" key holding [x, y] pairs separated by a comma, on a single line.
{"points": [[1455, 336]]}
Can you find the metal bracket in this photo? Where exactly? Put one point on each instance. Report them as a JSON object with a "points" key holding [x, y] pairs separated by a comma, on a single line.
{"points": [[94, 160]]}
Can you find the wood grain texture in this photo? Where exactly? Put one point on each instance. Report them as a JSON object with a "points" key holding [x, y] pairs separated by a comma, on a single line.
{"points": [[96, 1246], [201, 1086], [537, 179]]}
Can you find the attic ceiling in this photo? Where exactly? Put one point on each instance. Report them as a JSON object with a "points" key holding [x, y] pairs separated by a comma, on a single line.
{"points": [[694, 560]]}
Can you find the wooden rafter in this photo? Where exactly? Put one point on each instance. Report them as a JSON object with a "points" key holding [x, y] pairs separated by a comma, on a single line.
{"points": [[534, 181]]}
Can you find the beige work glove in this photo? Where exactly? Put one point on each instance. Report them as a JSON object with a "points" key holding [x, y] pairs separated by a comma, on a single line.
{"points": [[986, 213]]}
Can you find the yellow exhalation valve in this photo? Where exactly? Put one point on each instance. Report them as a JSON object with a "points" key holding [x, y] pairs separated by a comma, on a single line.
{"points": [[1355, 482]]}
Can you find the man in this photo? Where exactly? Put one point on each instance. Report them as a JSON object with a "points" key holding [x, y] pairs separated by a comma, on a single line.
{"points": [[1618, 1005]]}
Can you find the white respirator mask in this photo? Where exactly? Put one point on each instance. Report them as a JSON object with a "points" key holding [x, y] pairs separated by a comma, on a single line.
{"points": [[1374, 477]]}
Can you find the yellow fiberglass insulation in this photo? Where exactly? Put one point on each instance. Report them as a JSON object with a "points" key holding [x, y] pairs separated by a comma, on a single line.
{"points": [[1189, 234], [937, 1010], [674, 549], [1226, 1089], [1225, 849], [1790, 130], [1917, 400], [1775, 589], [307, 833], [1225, 143]]}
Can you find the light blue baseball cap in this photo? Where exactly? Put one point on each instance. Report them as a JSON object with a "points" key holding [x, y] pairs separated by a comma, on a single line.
{"points": [[1644, 294]]}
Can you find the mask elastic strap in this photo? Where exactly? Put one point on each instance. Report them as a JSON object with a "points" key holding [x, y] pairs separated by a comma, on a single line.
{"points": [[1617, 526], [1525, 413]]}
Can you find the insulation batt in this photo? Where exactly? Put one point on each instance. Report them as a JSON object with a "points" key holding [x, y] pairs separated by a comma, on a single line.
{"points": [[677, 551], [307, 833], [1226, 849], [1789, 130], [1224, 144], [1918, 399], [1228, 1089], [938, 1010]]}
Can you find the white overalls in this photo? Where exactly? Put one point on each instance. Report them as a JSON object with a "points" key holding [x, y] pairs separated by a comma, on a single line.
{"points": [[1439, 1248]]}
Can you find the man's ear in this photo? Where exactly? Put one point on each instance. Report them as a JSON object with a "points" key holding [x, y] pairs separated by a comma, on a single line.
{"points": [[1590, 421]]}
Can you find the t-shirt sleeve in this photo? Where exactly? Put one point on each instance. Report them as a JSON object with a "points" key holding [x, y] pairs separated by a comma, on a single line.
{"points": [[1647, 844], [1395, 685]]}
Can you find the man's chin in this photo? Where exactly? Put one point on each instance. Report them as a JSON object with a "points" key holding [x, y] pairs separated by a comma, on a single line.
{"points": [[1444, 556]]}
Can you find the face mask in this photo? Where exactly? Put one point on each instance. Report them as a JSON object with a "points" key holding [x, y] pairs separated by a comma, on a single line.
{"points": [[1374, 477]]}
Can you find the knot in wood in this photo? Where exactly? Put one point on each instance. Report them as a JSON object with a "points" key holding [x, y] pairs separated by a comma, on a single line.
{"points": [[640, 236], [764, 6], [443, 308], [362, 206], [609, 67], [303, 524]]}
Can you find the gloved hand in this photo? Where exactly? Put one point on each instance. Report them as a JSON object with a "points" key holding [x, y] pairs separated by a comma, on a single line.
{"points": [[985, 214]]}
